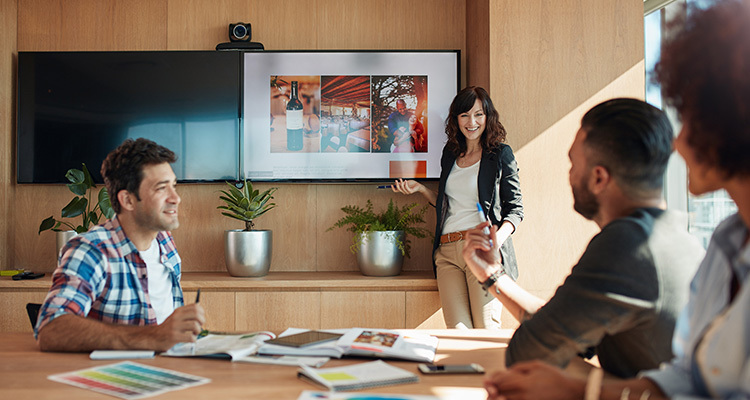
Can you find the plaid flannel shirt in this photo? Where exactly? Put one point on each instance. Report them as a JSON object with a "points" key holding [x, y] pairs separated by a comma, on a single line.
{"points": [[101, 275]]}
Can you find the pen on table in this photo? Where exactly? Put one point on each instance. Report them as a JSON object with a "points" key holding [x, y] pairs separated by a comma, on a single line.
{"points": [[484, 217]]}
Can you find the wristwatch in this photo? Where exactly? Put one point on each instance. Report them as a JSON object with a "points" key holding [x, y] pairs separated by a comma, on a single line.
{"points": [[492, 279]]}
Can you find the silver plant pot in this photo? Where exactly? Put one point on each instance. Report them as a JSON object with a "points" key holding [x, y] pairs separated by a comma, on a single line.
{"points": [[61, 239], [248, 253], [378, 254]]}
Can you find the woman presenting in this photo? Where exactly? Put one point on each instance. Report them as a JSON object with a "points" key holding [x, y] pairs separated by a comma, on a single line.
{"points": [[476, 167]]}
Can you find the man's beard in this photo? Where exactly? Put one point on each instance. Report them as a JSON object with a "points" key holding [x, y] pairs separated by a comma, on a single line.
{"points": [[584, 202], [153, 222]]}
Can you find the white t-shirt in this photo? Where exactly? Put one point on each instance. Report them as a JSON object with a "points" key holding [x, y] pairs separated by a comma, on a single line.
{"points": [[463, 193], [159, 283]]}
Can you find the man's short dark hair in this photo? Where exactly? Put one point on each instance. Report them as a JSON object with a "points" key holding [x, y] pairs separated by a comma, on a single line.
{"points": [[632, 139], [705, 74], [123, 167]]}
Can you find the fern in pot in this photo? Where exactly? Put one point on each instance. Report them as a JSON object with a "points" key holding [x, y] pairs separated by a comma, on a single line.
{"points": [[381, 239], [247, 251]]}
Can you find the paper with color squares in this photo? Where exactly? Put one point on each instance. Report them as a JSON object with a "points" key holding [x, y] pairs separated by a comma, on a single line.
{"points": [[129, 380]]}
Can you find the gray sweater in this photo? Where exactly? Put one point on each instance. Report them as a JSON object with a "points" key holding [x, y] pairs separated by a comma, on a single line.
{"points": [[622, 297]]}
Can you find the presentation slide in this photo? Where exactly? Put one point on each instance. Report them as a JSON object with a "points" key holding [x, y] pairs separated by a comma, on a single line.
{"points": [[344, 116]]}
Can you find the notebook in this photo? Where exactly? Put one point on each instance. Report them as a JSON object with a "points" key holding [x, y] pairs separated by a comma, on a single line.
{"points": [[357, 376]]}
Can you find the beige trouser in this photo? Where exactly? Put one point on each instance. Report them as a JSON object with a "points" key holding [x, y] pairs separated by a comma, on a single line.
{"points": [[465, 304]]}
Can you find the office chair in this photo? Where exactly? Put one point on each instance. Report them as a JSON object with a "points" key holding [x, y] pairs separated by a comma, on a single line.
{"points": [[33, 310]]}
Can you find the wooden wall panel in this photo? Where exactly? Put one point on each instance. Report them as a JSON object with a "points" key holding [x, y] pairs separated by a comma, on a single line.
{"points": [[548, 199], [423, 311], [13, 316], [362, 309], [202, 24], [89, 25], [277, 311], [8, 17], [219, 308], [550, 62], [478, 67], [32, 204]]}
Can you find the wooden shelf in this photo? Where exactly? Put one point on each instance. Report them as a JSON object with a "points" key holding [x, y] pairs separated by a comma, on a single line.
{"points": [[412, 281]]}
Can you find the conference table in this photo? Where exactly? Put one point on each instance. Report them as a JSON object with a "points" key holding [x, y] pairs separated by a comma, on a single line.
{"points": [[24, 370]]}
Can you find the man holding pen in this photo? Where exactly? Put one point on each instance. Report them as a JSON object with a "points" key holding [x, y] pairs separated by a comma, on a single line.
{"points": [[117, 286], [623, 296]]}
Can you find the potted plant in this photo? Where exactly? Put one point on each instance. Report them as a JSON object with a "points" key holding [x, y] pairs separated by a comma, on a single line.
{"points": [[247, 251], [381, 240], [82, 185]]}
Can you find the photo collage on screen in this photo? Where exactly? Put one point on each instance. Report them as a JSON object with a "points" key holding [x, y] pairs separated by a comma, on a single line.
{"points": [[344, 114]]}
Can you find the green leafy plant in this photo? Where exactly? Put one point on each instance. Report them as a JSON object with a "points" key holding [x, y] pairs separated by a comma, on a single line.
{"points": [[363, 220], [246, 204], [83, 187]]}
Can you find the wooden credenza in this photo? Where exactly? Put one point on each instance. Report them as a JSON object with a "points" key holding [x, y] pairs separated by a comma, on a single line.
{"points": [[313, 300]]}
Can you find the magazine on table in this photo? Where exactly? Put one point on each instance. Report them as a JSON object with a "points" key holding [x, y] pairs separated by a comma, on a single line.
{"points": [[221, 345], [363, 342]]}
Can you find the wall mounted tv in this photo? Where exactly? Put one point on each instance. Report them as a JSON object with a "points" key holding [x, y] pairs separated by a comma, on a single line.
{"points": [[356, 116], [76, 107]]}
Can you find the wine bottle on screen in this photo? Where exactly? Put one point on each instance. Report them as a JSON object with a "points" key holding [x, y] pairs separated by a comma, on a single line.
{"points": [[294, 121]]}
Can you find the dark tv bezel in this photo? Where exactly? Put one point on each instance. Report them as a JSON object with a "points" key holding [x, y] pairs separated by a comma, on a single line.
{"points": [[240, 78], [337, 180]]}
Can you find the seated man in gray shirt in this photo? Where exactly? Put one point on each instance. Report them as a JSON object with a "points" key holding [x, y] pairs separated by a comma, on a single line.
{"points": [[625, 293]]}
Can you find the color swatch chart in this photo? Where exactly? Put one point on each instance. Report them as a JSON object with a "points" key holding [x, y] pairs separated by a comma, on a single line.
{"points": [[129, 380]]}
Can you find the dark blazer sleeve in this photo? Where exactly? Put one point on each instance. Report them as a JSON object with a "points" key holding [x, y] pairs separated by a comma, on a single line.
{"points": [[510, 188]]}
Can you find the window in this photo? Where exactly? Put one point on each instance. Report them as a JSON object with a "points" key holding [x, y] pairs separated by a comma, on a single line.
{"points": [[703, 212]]}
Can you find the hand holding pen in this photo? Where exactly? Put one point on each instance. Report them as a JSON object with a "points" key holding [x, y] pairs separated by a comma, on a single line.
{"points": [[483, 217]]}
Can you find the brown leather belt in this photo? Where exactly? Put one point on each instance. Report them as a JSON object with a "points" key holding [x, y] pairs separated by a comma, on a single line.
{"points": [[452, 237]]}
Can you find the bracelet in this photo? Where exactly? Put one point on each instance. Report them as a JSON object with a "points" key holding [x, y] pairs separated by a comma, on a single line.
{"points": [[594, 384], [492, 279]]}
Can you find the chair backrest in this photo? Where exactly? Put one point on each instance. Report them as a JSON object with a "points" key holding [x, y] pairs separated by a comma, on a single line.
{"points": [[33, 310]]}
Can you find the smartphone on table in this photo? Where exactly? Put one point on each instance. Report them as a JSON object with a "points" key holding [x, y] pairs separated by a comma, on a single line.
{"points": [[451, 369]]}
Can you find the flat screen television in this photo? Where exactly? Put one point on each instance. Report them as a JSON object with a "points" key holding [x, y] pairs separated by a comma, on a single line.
{"points": [[346, 115], [75, 107]]}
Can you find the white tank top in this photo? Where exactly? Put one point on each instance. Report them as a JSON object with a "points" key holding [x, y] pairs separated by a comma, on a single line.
{"points": [[159, 283], [462, 193]]}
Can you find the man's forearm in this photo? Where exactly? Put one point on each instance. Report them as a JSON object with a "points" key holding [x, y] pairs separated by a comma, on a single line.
{"points": [[520, 303], [73, 333]]}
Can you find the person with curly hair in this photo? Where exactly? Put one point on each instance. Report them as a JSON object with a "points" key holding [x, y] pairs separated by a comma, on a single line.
{"points": [[476, 167], [704, 74]]}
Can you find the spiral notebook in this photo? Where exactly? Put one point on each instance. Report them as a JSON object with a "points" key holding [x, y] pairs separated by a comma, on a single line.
{"points": [[357, 376]]}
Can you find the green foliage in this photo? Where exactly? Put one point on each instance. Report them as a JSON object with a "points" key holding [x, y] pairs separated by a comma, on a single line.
{"points": [[362, 220], [83, 187], [246, 204]]}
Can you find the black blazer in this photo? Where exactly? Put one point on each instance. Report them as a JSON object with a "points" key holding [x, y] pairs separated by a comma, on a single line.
{"points": [[499, 193]]}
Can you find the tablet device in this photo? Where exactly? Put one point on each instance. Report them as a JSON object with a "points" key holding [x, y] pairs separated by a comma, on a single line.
{"points": [[305, 338]]}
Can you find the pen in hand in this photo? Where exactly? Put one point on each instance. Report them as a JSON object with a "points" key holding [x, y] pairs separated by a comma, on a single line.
{"points": [[197, 300], [483, 218]]}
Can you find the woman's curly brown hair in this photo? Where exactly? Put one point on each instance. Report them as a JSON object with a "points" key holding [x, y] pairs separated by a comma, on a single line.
{"points": [[494, 132], [705, 74]]}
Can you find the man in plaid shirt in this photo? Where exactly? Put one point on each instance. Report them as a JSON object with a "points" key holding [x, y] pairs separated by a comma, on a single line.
{"points": [[117, 286]]}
